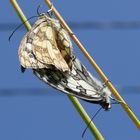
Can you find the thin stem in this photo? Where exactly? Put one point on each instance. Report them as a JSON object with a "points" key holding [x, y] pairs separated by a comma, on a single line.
{"points": [[20, 14], [96, 67], [86, 118], [74, 100]]}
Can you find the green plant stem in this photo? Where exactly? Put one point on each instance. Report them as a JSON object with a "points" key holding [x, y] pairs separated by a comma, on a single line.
{"points": [[74, 100], [20, 14], [86, 118]]}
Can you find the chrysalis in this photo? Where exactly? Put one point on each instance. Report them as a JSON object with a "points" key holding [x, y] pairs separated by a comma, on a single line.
{"points": [[47, 49]]}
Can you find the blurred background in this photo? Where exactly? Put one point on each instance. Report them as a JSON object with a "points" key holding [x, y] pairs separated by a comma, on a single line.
{"points": [[110, 32]]}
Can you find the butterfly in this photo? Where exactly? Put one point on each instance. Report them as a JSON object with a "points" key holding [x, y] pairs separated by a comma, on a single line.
{"points": [[47, 50]]}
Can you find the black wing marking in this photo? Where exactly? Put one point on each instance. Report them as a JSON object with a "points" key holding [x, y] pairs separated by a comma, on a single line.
{"points": [[22, 69], [77, 82]]}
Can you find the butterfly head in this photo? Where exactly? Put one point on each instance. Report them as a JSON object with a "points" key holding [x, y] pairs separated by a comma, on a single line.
{"points": [[42, 15], [106, 104]]}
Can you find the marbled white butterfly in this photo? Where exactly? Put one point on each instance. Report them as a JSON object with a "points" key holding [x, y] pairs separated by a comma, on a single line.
{"points": [[47, 49]]}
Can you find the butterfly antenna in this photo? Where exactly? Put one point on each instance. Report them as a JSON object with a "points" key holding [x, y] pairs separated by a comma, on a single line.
{"points": [[91, 121], [20, 26], [118, 102], [38, 7]]}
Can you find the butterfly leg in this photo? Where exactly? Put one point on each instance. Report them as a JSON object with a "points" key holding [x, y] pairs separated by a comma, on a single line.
{"points": [[103, 87], [49, 12], [104, 84]]}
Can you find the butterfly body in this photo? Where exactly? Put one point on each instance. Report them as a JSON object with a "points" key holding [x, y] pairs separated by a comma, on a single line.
{"points": [[47, 49]]}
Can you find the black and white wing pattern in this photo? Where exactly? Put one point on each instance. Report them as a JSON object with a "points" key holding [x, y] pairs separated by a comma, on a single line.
{"points": [[47, 49], [39, 49]]}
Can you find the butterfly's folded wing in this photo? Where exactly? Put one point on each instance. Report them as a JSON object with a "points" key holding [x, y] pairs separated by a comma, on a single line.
{"points": [[65, 46], [43, 49], [46, 50], [77, 82], [26, 57]]}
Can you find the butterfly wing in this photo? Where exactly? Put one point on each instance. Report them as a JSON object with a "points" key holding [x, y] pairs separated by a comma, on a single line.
{"points": [[46, 50], [26, 57], [65, 46], [43, 48], [77, 82]]}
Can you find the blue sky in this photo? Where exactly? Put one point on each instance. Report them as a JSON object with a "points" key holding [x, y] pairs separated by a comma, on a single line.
{"points": [[50, 115]]}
